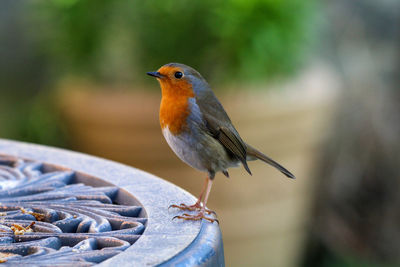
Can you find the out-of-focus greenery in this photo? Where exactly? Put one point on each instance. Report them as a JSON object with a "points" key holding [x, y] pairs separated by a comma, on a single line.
{"points": [[232, 39], [225, 40], [27, 111], [117, 41]]}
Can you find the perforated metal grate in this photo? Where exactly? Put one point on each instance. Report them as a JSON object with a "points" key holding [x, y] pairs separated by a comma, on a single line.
{"points": [[50, 215]]}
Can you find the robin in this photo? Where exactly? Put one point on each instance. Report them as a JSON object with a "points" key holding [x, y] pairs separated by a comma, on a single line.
{"points": [[199, 131]]}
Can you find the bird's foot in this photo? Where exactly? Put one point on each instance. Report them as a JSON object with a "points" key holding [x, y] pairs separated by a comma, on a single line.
{"points": [[194, 207], [195, 217], [183, 206]]}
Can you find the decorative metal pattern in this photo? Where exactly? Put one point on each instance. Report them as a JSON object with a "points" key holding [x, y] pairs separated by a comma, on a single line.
{"points": [[49, 217]]}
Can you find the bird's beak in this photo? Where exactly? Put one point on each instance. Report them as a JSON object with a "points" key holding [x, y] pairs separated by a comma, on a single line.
{"points": [[155, 74]]}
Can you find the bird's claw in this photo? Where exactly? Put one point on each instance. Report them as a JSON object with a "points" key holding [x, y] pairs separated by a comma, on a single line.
{"points": [[196, 217], [194, 207], [183, 206]]}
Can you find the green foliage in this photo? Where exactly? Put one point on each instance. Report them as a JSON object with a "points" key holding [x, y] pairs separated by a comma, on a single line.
{"points": [[225, 40], [238, 39], [36, 120], [71, 33]]}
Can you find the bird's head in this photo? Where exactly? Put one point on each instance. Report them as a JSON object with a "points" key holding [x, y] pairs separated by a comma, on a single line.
{"points": [[179, 79]]}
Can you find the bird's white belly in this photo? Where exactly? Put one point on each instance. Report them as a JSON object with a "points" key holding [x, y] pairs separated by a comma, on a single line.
{"points": [[202, 152], [185, 148]]}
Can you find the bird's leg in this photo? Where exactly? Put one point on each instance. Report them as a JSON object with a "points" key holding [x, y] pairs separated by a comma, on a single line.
{"points": [[202, 213], [198, 205]]}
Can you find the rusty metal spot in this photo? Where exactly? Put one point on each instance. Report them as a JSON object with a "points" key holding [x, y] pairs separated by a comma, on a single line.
{"points": [[50, 217]]}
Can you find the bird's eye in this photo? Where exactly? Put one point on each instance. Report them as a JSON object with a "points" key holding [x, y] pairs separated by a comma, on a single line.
{"points": [[178, 74]]}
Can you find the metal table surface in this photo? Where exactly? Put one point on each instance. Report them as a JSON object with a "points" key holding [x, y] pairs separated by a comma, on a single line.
{"points": [[147, 235]]}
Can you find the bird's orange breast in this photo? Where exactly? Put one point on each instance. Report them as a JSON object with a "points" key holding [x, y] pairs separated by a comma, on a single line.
{"points": [[174, 108]]}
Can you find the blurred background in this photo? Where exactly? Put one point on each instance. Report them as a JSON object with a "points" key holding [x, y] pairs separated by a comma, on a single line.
{"points": [[313, 84]]}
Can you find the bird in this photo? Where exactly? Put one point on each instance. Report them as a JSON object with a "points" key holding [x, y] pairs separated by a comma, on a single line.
{"points": [[200, 132]]}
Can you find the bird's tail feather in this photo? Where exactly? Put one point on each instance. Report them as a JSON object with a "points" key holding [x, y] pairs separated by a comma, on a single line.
{"points": [[253, 153]]}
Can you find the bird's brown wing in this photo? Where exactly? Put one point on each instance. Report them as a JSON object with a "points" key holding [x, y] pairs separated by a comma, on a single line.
{"points": [[220, 127]]}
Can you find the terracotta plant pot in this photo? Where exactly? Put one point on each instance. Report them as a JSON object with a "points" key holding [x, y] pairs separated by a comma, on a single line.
{"points": [[263, 217]]}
